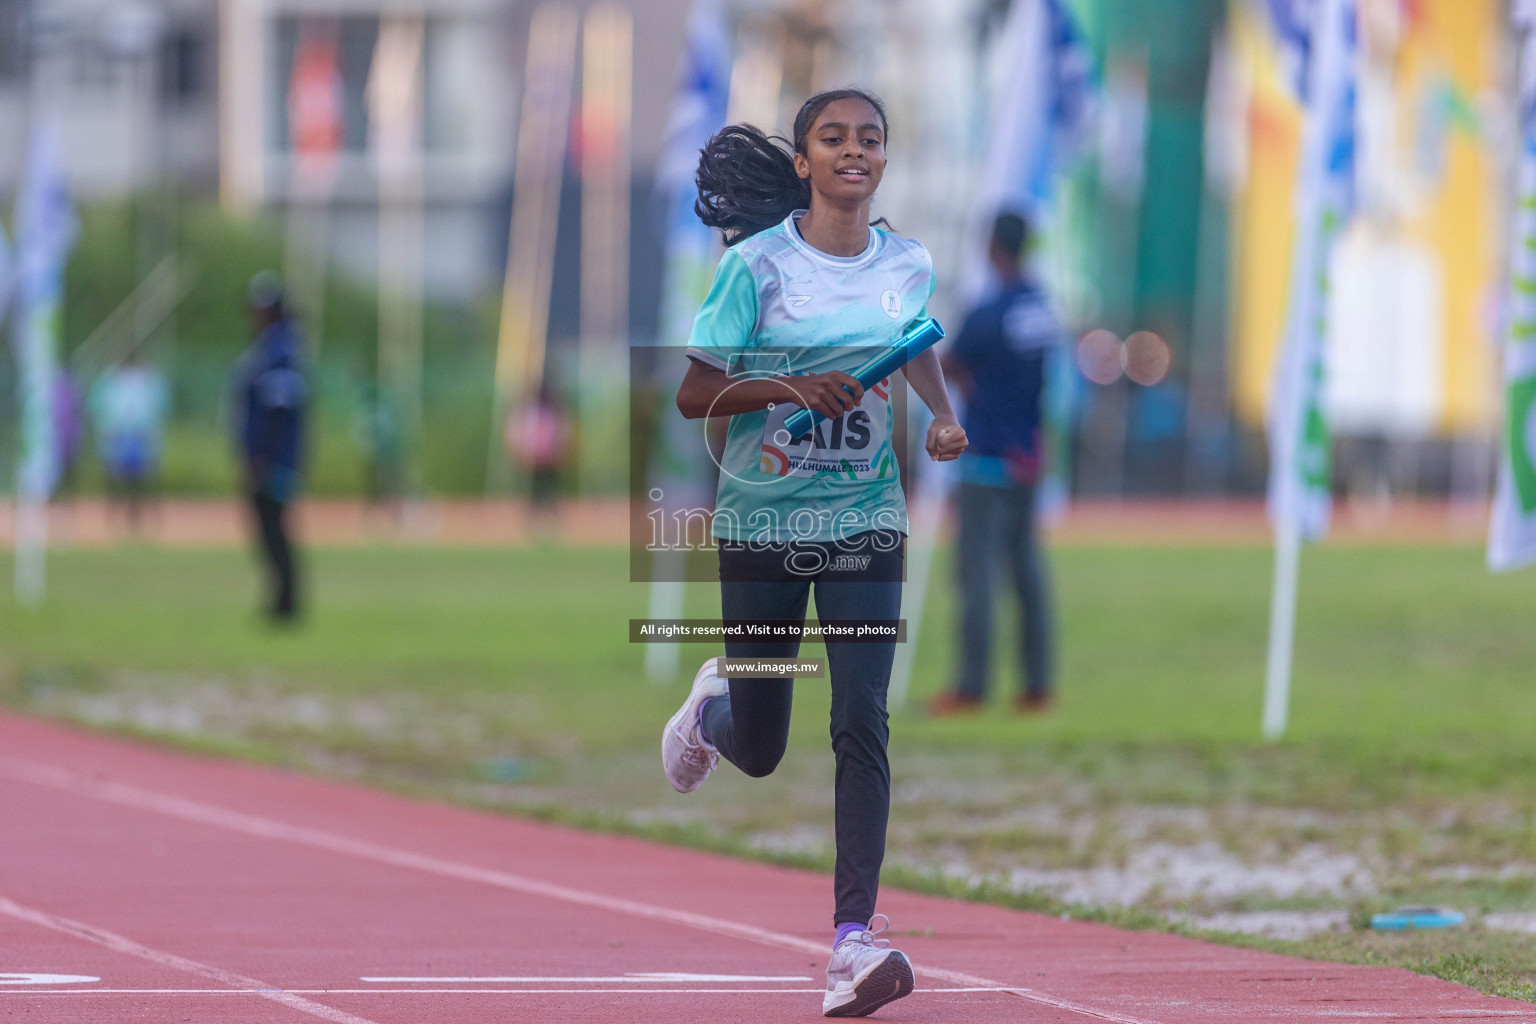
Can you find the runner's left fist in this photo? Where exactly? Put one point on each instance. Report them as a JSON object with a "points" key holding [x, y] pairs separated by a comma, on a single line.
{"points": [[946, 440]]}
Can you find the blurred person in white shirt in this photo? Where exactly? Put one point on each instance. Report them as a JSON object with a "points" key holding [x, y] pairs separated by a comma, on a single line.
{"points": [[128, 406]]}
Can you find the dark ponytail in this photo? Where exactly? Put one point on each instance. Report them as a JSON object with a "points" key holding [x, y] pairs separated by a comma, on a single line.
{"points": [[747, 181]]}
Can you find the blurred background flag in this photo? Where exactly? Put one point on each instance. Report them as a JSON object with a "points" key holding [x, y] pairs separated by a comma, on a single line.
{"points": [[45, 230], [679, 468], [698, 110], [1293, 24], [1325, 55], [1512, 533], [1043, 107], [1042, 110]]}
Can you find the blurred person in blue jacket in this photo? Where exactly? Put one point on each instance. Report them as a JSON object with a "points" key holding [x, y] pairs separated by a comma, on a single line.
{"points": [[128, 406], [998, 362], [270, 393]]}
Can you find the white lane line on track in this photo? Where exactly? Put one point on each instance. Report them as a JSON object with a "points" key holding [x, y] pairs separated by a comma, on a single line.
{"points": [[1294, 1014], [443, 991], [41, 774], [119, 944], [633, 979]]}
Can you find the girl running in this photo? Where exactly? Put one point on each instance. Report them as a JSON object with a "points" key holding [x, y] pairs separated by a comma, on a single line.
{"points": [[807, 289]]}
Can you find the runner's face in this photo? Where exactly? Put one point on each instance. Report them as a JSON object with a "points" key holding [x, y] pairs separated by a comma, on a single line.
{"points": [[845, 153]]}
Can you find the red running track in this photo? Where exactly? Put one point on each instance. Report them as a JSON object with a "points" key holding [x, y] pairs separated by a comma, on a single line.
{"points": [[138, 885]]}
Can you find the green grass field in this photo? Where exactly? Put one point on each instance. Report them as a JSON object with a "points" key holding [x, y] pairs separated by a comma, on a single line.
{"points": [[505, 679]]}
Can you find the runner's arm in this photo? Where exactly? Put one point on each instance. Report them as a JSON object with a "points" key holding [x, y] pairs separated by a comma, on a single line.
{"points": [[946, 438], [709, 391]]}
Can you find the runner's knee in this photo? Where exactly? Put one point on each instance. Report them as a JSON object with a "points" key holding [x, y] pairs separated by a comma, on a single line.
{"points": [[760, 762]]}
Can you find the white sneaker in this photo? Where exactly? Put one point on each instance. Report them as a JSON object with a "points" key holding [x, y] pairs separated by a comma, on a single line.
{"points": [[686, 755], [865, 974]]}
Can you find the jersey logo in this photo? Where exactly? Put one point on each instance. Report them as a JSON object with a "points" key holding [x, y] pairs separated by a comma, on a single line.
{"points": [[796, 301], [891, 303]]}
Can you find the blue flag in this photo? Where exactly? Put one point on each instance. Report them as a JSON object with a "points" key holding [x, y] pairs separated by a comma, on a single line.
{"points": [[1043, 110], [45, 231], [697, 113], [1292, 21]]}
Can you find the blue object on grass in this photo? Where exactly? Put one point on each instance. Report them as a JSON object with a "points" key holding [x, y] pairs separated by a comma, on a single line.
{"points": [[919, 338], [1416, 918]]}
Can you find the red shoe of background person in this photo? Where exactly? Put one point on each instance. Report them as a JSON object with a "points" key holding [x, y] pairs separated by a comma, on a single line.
{"points": [[953, 702], [1033, 703]]}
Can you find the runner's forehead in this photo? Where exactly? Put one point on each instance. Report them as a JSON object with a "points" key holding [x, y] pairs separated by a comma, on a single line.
{"points": [[842, 113]]}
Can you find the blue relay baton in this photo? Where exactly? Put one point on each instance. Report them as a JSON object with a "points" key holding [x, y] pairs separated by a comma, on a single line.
{"points": [[919, 338]]}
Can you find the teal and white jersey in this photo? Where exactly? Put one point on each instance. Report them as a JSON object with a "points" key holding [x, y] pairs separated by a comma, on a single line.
{"points": [[777, 308]]}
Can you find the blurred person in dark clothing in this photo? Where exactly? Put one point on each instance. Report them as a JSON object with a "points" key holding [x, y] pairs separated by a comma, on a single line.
{"points": [[271, 391], [999, 363]]}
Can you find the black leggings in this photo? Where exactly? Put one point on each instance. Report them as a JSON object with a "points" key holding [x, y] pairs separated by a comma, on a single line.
{"points": [[751, 726], [277, 552]]}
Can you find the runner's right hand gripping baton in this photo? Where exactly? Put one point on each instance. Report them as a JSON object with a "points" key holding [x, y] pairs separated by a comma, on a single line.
{"points": [[919, 338]]}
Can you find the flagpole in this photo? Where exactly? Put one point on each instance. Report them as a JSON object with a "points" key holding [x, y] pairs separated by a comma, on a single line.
{"points": [[605, 114], [394, 95], [1282, 629]]}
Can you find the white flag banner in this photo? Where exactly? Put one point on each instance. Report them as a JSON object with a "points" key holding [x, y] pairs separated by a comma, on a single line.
{"points": [[1299, 446], [1512, 532], [1321, 40], [681, 477]]}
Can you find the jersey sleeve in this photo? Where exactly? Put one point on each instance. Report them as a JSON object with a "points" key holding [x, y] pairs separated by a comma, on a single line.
{"points": [[725, 322], [933, 283]]}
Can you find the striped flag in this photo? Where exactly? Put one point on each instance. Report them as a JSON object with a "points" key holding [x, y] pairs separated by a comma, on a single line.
{"points": [[1512, 532], [1321, 37]]}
